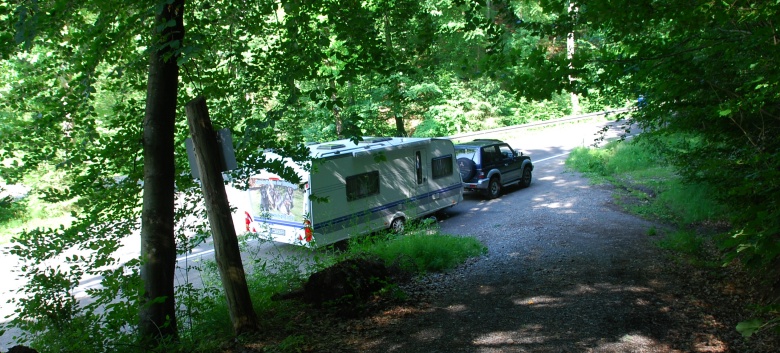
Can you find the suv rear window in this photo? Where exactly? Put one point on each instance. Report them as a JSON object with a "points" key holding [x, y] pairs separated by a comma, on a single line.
{"points": [[468, 152]]}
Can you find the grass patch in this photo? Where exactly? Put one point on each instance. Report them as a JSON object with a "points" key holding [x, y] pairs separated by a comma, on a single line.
{"points": [[652, 188], [692, 248], [421, 253], [649, 187], [685, 242]]}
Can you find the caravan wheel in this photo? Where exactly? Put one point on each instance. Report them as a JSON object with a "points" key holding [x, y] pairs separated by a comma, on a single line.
{"points": [[397, 225]]}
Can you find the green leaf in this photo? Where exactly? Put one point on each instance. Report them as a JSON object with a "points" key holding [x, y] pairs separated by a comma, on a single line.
{"points": [[725, 112], [749, 327]]}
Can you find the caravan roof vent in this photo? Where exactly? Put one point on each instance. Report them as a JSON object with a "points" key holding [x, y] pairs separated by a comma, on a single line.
{"points": [[376, 139], [330, 146]]}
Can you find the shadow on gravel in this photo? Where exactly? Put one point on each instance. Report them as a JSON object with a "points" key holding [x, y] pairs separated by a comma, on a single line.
{"points": [[539, 310], [565, 272]]}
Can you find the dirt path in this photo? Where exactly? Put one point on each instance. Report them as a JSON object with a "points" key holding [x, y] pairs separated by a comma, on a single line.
{"points": [[567, 271]]}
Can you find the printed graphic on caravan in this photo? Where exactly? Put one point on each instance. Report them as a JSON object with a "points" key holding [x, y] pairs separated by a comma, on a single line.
{"points": [[378, 183], [279, 209]]}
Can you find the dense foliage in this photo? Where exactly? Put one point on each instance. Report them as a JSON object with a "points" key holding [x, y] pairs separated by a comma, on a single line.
{"points": [[281, 73], [707, 70], [711, 71]]}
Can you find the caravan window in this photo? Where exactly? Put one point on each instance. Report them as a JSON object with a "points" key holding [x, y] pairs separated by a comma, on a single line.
{"points": [[362, 185], [441, 166], [418, 167]]}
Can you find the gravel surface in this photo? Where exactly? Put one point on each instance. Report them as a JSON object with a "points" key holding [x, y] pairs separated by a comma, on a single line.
{"points": [[566, 271]]}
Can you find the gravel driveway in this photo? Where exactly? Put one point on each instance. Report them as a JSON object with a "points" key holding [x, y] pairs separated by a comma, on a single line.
{"points": [[566, 271]]}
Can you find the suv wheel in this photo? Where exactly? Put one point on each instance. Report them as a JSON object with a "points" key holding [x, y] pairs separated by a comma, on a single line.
{"points": [[494, 188], [525, 181]]}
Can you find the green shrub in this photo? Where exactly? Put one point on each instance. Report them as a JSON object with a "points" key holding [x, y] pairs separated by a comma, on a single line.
{"points": [[12, 209], [419, 250], [686, 242], [429, 253], [641, 166]]}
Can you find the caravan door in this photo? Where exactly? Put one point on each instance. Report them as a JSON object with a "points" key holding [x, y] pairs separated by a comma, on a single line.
{"points": [[424, 200], [421, 171]]}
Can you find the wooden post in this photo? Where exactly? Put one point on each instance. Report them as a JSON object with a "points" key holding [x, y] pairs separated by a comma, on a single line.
{"points": [[226, 250]]}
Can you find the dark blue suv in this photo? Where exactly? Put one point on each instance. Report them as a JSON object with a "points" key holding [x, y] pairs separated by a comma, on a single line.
{"points": [[488, 165]]}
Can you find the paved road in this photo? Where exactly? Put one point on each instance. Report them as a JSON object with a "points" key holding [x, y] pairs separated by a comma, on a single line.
{"points": [[543, 144]]}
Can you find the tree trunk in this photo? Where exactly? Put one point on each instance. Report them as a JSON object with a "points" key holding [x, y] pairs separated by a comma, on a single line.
{"points": [[575, 99], [158, 246], [336, 110], [400, 131], [226, 251]]}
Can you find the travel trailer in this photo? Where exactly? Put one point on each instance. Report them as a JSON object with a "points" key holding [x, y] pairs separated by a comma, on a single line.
{"points": [[355, 188]]}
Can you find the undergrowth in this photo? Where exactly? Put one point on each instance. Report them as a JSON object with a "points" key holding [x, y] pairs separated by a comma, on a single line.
{"points": [[203, 318], [650, 187], [421, 249]]}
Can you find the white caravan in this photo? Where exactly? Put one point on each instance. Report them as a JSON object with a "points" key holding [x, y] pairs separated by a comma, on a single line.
{"points": [[352, 189]]}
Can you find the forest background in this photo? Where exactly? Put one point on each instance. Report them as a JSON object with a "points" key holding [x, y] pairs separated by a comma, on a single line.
{"points": [[93, 97]]}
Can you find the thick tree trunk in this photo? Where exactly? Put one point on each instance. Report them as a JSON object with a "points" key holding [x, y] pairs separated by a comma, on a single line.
{"points": [[226, 251], [158, 246]]}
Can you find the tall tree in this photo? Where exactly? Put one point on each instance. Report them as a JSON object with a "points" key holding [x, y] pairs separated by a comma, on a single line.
{"points": [[158, 245], [570, 48], [79, 114]]}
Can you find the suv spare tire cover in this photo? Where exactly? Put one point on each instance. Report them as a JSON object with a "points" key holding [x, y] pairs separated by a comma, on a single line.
{"points": [[467, 168]]}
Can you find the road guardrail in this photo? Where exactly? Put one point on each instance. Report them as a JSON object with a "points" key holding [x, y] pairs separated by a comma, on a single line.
{"points": [[541, 123]]}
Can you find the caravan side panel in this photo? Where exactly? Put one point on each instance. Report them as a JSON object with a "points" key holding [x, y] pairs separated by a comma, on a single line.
{"points": [[407, 181]]}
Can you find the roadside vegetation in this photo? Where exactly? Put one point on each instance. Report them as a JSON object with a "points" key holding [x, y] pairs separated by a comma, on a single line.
{"points": [[650, 184], [203, 318], [701, 219]]}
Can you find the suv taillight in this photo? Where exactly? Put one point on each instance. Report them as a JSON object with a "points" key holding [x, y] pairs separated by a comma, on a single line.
{"points": [[481, 175]]}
